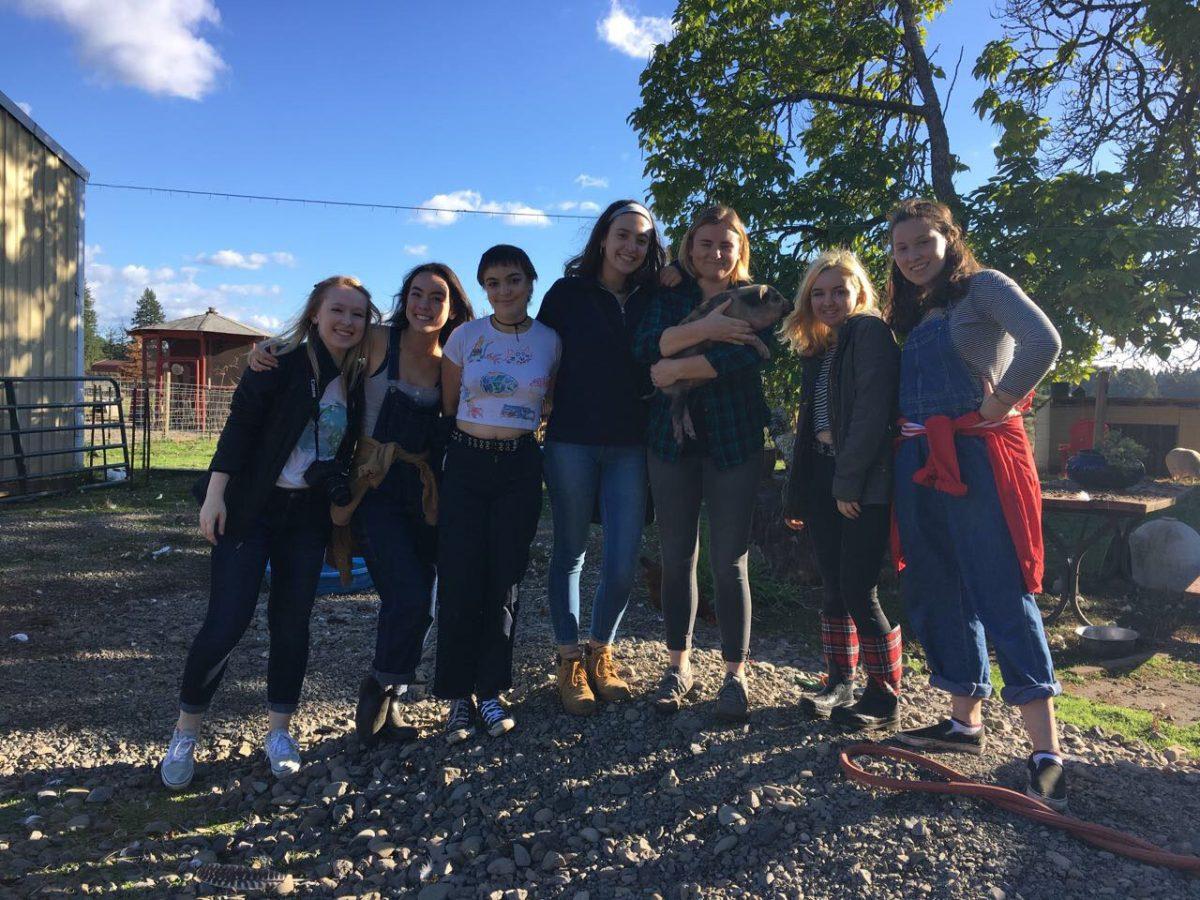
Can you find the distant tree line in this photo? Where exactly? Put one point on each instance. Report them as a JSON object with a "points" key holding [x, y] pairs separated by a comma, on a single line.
{"points": [[115, 342]]}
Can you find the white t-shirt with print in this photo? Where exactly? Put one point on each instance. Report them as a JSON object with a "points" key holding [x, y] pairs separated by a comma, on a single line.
{"points": [[330, 427], [505, 376]]}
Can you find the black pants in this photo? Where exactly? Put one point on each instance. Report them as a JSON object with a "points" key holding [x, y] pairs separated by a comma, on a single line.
{"points": [[292, 534], [849, 551], [729, 494], [488, 515], [396, 546]]}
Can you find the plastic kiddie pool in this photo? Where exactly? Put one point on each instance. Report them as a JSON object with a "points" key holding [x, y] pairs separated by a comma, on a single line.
{"points": [[331, 581]]}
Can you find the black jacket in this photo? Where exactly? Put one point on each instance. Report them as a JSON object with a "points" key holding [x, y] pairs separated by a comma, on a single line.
{"points": [[267, 415], [863, 385], [599, 388]]}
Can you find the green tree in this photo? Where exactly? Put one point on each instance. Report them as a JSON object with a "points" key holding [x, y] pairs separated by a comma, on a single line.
{"points": [[93, 343], [115, 343], [814, 117], [148, 311]]}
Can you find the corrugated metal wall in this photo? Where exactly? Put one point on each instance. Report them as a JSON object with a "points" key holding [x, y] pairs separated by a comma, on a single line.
{"points": [[40, 329]]}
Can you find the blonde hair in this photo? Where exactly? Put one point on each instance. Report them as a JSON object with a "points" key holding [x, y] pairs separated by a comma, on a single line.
{"points": [[801, 329], [718, 215], [303, 328]]}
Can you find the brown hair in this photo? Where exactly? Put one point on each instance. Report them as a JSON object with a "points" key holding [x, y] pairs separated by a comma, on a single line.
{"points": [[908, 302], [590, 260], [718, 214], [303, 327], [803, 332], [460, 305]]}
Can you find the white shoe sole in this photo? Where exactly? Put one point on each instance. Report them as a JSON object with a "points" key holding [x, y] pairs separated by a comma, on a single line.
{"points": [[458, 736], [501, 727], [283, 770], [171, 786], [1059, 806]]}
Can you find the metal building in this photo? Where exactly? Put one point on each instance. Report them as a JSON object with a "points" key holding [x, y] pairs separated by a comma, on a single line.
{"points": [[41, 291]]}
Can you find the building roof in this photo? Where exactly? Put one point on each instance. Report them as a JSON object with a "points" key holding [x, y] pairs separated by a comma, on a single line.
{"points": [[55, 147], [211, 322]]}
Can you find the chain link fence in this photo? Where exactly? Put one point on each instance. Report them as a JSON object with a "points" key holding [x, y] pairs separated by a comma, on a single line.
{"points": [[181, 410]]}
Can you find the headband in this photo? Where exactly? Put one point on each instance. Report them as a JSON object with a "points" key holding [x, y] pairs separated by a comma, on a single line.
{"points": [[634, 207]]}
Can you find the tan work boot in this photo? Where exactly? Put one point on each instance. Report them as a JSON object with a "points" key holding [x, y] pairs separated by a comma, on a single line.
{"points": [[602, 673], [573, 689]]}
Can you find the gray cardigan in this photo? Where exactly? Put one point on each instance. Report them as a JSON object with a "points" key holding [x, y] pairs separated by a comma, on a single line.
{"points": [[863, 385]]}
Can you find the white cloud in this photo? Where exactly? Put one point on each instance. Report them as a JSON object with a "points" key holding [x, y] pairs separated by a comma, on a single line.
{"points": [[153, 45], [266, 323], [232, 259], [566, 205], [251, 290], [589, 206], [26, 108], [448, 209], [632, 34], [416, 249], [590, 181]]}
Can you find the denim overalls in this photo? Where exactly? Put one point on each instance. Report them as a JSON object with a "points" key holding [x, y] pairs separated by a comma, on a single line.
{"points": [[397, 544], [962, 580]]}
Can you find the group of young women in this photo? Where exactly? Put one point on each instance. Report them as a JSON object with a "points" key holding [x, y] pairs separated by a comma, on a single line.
{"points": [[414, 441]]}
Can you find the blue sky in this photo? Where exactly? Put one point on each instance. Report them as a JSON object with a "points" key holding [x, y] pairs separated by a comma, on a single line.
{"points": [[513, 106]]}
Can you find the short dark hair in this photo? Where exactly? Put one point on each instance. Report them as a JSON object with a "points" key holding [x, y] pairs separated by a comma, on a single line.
{"points": [[460, 304], [505, 255], [587, 264]]}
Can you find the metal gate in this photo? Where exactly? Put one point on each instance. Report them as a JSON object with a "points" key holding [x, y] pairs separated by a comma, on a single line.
{"points": [[42, 428]]}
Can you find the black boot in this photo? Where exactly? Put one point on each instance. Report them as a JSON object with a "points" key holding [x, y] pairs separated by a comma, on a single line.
{"points": [[877, 708], [395, 729], [371, 714], [837, 691]]}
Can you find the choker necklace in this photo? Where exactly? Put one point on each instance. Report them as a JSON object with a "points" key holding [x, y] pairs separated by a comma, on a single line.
{"points": [[513, 325]]}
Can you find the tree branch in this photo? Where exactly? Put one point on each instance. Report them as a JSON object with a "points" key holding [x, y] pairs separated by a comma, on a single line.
{"points": [[893, 106]]}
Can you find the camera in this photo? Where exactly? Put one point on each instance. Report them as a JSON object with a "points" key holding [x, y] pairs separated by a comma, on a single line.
{"points": [[327, 476]]}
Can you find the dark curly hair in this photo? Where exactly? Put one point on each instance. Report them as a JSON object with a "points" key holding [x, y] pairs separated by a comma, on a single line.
{"points": [[460, 304], [908, 302], [589, 261]]}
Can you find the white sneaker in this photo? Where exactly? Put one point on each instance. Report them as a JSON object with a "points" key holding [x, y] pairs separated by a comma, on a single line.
{"points": [[179, 765], [283, 752]]}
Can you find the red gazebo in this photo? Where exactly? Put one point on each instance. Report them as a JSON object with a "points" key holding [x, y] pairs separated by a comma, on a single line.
{"points": [[204, 351]]}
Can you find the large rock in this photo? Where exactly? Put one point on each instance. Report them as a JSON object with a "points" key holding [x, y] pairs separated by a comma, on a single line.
{"points": [[1165, 555], [1183, 463]]}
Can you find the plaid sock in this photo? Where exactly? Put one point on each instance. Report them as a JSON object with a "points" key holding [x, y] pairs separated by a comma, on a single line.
{"points": [[881, 659], [839, 643]]}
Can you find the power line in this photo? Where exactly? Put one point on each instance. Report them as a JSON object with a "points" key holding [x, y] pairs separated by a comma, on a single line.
{"points": [[394, 207]]}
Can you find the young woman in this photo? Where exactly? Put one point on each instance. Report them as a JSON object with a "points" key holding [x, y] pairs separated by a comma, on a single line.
{"points": [[497, 373], [968, 504], [841, 480], [595, 454], [283, 456], [720, 467], [394, 492]]}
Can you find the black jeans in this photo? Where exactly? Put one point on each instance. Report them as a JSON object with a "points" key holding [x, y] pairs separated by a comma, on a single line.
{"points": [[729, 494], [488, 515], [849, 551], [292, 534], [398, 549]]}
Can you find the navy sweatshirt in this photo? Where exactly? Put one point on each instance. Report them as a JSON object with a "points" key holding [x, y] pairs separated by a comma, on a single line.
{"points": [[599, 389]]}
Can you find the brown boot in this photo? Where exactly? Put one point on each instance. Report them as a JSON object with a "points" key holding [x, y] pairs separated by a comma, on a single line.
{"points": [[602, 673], [573, 689]]}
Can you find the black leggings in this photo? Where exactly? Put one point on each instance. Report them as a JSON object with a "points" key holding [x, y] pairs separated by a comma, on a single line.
{"points": [[729, 494], [849, 551]]}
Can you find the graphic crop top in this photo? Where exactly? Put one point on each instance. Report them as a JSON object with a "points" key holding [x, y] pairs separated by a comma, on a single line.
{"points": [[504, 376]]}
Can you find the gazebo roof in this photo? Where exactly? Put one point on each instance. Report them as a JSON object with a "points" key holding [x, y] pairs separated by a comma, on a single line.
{"points": [[211, 322]]}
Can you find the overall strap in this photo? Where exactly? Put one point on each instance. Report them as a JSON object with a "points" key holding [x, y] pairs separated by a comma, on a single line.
{"points": [[393, 372]]}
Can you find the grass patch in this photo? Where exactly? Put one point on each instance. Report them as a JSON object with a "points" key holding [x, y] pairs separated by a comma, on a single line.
{"points": [[1134, 723], [182, 453]]}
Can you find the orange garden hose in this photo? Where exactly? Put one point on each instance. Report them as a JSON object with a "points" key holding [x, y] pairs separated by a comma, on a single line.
{"points": [[959, 784]]}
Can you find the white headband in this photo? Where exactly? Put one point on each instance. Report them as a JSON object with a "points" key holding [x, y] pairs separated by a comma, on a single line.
{"points": [[634, 207]]}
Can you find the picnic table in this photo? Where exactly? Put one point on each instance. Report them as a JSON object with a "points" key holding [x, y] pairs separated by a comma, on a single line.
{"points": [[1105, 513]]}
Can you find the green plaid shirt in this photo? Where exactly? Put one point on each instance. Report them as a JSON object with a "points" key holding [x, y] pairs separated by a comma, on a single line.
{"points": [[735, 412]]}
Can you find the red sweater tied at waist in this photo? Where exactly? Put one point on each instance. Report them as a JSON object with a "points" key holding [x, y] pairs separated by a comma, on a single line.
{"points": [[1014, 471]]}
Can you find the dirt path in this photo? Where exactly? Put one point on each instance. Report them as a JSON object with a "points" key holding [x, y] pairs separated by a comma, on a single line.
{"points": [[626, 804]]}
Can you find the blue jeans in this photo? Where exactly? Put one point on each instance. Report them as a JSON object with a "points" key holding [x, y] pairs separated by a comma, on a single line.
{"points": [[576, 475], [399, 552], [962, 582], [292, 533]]}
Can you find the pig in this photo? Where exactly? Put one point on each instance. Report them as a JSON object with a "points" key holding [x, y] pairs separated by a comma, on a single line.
{"points": [[1183, 463], [758, 304]]}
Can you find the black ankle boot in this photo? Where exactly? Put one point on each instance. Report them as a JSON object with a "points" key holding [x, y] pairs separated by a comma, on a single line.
{"points": [[837, 692], [876, 708], [372, 711]]}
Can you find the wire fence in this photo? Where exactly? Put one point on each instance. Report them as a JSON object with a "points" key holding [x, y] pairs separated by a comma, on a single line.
{"points": [[182, 409]]}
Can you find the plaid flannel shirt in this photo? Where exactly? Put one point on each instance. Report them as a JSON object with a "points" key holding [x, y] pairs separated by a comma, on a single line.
{"points": [[735, 412]]}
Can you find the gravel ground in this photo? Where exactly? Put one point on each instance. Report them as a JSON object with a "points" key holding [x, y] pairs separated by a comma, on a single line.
{"points": [[625, 804]]}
